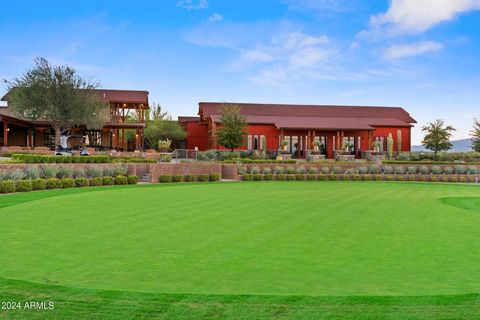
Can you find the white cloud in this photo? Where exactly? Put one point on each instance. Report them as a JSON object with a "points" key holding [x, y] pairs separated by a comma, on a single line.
{"points": [[408, 50], [417, 16], [215, 17], [192, 4], [287, 56]]}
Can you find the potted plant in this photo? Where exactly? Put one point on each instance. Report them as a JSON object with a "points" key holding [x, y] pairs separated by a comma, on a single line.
{"points": [[284, 147], [164, 145]]}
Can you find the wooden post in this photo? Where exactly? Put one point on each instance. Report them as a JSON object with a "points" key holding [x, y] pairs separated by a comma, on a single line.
{"points": [[5, 133], [30, 138]]}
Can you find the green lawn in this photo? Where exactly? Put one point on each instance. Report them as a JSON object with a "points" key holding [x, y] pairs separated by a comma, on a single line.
{"points": [[245, 250]]}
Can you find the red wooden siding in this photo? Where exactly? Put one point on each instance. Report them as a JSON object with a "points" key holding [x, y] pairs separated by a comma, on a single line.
{"points": [[384, 131], [197, 136]]}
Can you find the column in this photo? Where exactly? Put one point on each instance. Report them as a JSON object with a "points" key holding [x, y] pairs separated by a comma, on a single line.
{"points": [[5, 133]]}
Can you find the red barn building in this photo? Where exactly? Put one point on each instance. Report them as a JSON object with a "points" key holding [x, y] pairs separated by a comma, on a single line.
{"points": [[301, 125]]}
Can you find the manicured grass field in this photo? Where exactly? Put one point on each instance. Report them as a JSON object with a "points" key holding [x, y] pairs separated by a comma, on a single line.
{"points": [[245, 250]]}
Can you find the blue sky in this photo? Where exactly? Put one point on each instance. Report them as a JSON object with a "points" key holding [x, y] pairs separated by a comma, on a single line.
{"points": [[422, 55]]}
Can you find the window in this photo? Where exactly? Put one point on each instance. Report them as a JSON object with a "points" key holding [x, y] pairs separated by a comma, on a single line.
{"points": [[256, 142]]}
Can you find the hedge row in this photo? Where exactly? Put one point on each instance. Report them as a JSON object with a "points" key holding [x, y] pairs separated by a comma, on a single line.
{"points": [[188, 178], [362, 169], [9, 186], [247, 161], [357, 177], [429, 162], [41, 158]]}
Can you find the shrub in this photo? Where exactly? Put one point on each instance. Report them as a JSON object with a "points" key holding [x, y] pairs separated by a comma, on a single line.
{"points": [[247, 177], [79, 172], [165, 178], [203, 177], [95, 182], [325, 170], [445, 179], [350, 171], [241, 170], [299, 177], [462, 179], [7, 186], [472, 169], [312, 177], [64, 172], [453, 179], [280, 177], [312, 170], [412, 178], [108, 172], [94, 172], [337, 170], [189, 178], [39, 184], [399, 169], [67, 183], [32, 172], [132, 179], [255, 170], [424, 170], [375, 169], [400, 178], [257, 177], [267, 170], [434, 179], [81, 182], [48, 172], [300, 170], [387, 170], [322, 177], [107, 181], [389, 178], [362, 170], [121, 180], [378, 177], [412, 170], [290, 170], [356, 177], [214, 177], [16, 175], [120, 170], [437, 170], [423, 178], [177, 178], [290, 177], [367, 177], [268, 177], [23, 185], [448, 170], [53, 183], [278, 170], [460, 169]]}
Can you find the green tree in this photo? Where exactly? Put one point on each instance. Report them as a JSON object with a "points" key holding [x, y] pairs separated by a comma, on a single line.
{"points": [[437, 136], [56, 94], [475, 134], [161, 126], [233, 124]]}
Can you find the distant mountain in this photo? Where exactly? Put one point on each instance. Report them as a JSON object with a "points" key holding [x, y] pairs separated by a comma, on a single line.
{"points": [[463, 145]]}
